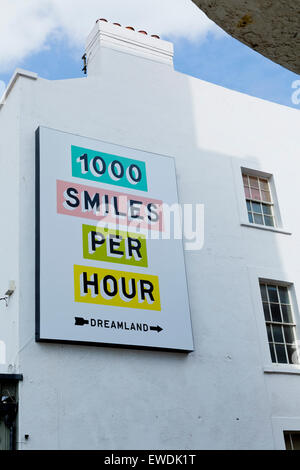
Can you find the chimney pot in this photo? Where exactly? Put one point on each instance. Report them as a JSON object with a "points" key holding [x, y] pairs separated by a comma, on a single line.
{"points": [[102, 19], [155, 36], [143, 32], [117, 24], [130, 27]]}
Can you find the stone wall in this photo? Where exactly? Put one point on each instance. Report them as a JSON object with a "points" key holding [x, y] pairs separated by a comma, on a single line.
{"points": [[267, 26]]}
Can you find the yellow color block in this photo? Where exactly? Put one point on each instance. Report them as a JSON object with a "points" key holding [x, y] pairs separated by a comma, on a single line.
{"points": [[116, 288]]}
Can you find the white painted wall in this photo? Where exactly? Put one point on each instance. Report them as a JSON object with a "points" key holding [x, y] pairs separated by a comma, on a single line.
{"points": [[9, 230], [218, 397]]}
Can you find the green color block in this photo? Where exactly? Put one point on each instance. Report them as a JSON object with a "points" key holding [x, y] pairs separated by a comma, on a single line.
{"points": [[114, 246]]}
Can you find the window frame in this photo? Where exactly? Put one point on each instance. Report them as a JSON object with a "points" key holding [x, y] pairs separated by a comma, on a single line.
{"points": [[292, 324], [280, 425], [289, 433], [261, 202], [240, 166], [269, 275]]}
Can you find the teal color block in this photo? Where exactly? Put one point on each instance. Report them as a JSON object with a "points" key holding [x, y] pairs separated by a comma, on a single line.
{"points": [[88, 164]]}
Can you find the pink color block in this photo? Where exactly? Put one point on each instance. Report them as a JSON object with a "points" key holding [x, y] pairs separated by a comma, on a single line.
{"points": [[123, 206]]}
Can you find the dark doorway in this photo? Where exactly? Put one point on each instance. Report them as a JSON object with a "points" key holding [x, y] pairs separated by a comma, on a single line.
{"points": [[8, 413]]}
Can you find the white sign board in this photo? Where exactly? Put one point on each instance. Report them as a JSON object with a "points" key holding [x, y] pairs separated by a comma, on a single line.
{"points": [[107, 273]]}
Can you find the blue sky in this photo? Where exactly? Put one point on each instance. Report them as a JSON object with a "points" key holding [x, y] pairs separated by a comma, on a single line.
{"points": [[229, 63], [216, 58]]}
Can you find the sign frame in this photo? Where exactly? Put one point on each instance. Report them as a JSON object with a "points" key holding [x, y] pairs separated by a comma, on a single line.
{"points": [[38, 337]]}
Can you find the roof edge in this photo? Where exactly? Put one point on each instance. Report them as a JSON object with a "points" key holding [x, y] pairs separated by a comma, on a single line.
{"points": [[17, 73]]}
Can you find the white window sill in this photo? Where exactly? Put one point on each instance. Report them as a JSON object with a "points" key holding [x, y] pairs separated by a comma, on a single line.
{"points": [[282, 369], [264, 227]]}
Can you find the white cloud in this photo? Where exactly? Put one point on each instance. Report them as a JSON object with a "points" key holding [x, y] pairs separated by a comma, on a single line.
{"points": [[27, 26]]}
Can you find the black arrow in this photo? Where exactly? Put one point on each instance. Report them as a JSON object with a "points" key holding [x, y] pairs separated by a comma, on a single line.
{"points": [[81, 321], [156, 328]]}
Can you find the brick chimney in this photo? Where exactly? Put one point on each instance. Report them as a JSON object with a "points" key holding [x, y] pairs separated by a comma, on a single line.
{"points": [[124, 39]]}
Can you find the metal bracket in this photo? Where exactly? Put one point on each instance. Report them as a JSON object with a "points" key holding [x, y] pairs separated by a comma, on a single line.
{"points": [[84, 69], [11, 289], [5, 298]]}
